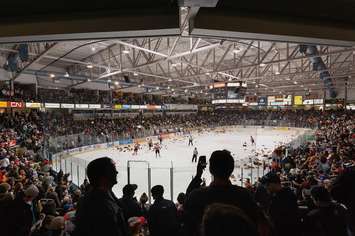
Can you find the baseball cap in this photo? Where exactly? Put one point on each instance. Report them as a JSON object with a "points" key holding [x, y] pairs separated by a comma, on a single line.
{"points": [[129, 189]]}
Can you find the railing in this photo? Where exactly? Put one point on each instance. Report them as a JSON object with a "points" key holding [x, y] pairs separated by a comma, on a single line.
{"points": [[177, 178]]}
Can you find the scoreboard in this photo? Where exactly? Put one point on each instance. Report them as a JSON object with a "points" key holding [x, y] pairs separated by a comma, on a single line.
{"points": [[228, 90]]}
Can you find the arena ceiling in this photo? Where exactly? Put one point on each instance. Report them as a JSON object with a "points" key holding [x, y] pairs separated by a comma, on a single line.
{"points": [[184, 54]]}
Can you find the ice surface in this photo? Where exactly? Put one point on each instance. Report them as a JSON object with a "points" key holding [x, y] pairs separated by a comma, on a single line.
{"points": [[177, 154]]}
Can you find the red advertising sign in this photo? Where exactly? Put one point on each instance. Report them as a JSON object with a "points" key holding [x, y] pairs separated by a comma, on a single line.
{"points": [[16, 104]]}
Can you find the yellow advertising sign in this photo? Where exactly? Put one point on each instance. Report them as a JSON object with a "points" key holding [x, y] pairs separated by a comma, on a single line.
{"points": [[298, 100], [118, 106], [3, 104], [33, 105]]}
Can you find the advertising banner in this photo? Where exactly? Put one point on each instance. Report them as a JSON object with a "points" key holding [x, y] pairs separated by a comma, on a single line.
{"points": [[33, 105], [52, 105], [67, 106], [134, 107], [3, 104], [139, 140], [81, 106], [16, 104], [125, 141], [298, 100], [251, 99], [94, 106], [262, 101], [117, 106], [150, 107]]}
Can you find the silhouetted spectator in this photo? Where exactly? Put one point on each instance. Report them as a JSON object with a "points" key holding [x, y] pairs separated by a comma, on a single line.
{"points": [[162, 215], [98, 211], [343, 190], [329, 218], [221, 219], [221, 166], [128, 203], [283, 209]]}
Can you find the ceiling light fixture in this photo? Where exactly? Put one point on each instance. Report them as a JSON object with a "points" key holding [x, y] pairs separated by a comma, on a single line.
{"points": [[109, 81], [135, 74], [93, 49], [109, 74], [186, 90], [170, 79], [172, 89], [117, 83], [277, 72], [89, 80], [237, 50], [126, 51], [66, 74], [157, 88], [168, 87], [52, 75], [208, 73], [90, 66], [295, 82], [262, 65]]}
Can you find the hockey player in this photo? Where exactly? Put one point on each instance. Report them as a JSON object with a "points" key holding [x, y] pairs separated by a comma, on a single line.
{"points": [[194, 155], [190, 140], [252, 140], [160, 139], [135, 149], [150, 143], [157, 150]]}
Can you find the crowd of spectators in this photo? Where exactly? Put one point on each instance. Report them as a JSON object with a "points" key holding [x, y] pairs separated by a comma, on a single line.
{"points": [[27, 93], [62, 124], [309, 190]]}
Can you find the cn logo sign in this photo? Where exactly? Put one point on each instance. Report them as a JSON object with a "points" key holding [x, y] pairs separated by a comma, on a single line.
{"points": [[16, 104]]}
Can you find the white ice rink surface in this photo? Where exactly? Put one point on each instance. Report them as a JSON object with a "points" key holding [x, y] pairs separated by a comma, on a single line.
{"points": [[177, 153]]}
